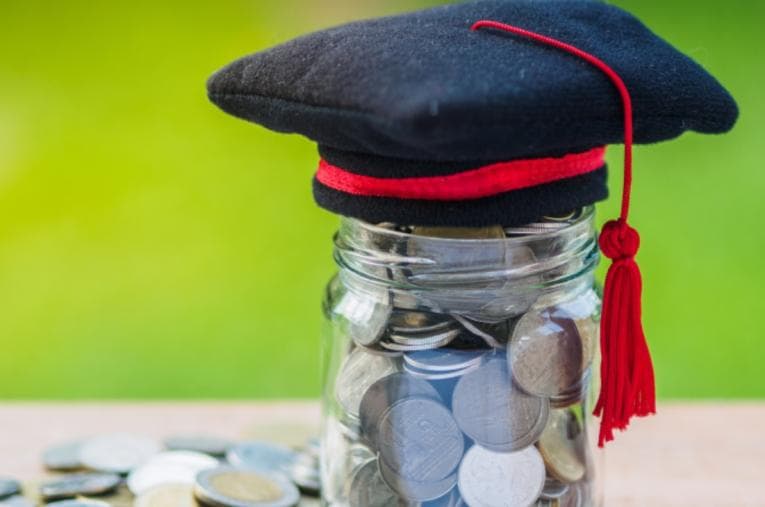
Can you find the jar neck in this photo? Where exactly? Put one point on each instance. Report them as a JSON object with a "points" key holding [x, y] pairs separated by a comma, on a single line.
{"points": [[384, 262]]}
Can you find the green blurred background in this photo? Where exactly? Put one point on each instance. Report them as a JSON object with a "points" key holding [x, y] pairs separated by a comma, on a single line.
{"points": [[144, 252]]}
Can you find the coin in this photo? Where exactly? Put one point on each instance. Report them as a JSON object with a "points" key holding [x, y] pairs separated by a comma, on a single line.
{"points": [[64, 457], [232, 487], [167, 495], [444, 360], [492, 479], [81, 502], [416, 491], [407, 322], [413, 344], [560, 445], [367, 318], [584, 312], [419, 440], [305, 473], [172, 467], [16, 501], [545, 354], [436, 376], [368, 489], [205, 444], [384, 393], [451, 499], [554, 489], [359, 371], [9, 487], [493, 412], [262, 457], [79, 484], [118, 453]]}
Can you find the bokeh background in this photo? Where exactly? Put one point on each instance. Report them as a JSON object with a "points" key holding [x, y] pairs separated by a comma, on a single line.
{"points": [[151, 247]]}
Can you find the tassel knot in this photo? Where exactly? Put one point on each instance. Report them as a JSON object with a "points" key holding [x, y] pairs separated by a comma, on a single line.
{"points": [[619, 241]]}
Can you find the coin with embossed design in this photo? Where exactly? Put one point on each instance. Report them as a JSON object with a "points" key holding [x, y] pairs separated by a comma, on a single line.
{"points": [[561, 444]]}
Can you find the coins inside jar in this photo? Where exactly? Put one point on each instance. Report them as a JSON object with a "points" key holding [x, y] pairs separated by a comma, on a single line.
{"points": [[464, 407]]}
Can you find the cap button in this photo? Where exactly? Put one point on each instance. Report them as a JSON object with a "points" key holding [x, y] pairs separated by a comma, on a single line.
{"points": [[619, 241]]}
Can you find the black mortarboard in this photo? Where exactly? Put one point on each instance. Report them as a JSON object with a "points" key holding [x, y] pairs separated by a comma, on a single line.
{"points": [[421, 95], [492, 112]]}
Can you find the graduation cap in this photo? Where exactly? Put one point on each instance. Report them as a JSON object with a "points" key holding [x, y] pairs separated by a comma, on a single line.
{"points": [[484, 113]]}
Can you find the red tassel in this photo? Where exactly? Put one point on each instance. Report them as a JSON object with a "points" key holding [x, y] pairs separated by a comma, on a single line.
{"points": [[627, 382], [626, 370]]}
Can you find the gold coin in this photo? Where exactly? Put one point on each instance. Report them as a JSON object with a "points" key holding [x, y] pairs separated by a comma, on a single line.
{"points": [[168, 495], [561, 445], [495, 232], [247, 486]]}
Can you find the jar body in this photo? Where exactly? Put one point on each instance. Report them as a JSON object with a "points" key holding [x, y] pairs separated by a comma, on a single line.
{"points": [[459, 370]]}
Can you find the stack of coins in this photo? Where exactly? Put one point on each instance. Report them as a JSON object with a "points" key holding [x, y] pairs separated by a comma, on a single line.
{"points": [[183, 471], [454, 405]]}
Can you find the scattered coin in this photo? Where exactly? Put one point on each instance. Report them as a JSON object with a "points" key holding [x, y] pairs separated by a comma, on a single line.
{"points": [[561, 444], [492, 479], [262, 457], [496, 414], [205, 444], [88, 484], [79, 503], [232, 487], [305, 474], [64, 457], [172, 467], [118, 453], [545, 354], [167, 495], [16, 501], [9, 487], [359, 371]]}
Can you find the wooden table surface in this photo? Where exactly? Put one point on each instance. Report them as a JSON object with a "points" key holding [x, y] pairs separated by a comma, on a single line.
{"points": [[689, 455]]}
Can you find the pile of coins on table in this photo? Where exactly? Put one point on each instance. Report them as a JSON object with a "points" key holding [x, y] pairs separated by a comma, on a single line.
{"points": [[435, 407], [123, 470]]}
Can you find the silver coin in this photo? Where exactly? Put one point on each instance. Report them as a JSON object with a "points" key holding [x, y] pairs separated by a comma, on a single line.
{"points": [[80, 503], [168, 495], [9, 487], [359, 371], [493, 479], [416, 491], [384, 393], [305, 475], [232, 487], [545, 354], [367, 318], [420, 441], [79, 484], [445, 359], [172, 467], [16, 501], [425, 343], [118, 453], [262, 457], [205, 444], [408, 322], [553, 489], [368, 489], [438, 376], [493, 412], [64, 457]]}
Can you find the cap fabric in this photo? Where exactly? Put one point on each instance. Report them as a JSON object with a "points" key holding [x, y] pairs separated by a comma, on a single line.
{"points": [[422, 96]]}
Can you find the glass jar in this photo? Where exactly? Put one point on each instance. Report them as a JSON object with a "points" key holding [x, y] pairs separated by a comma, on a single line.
{"points": [[457, 366]]}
